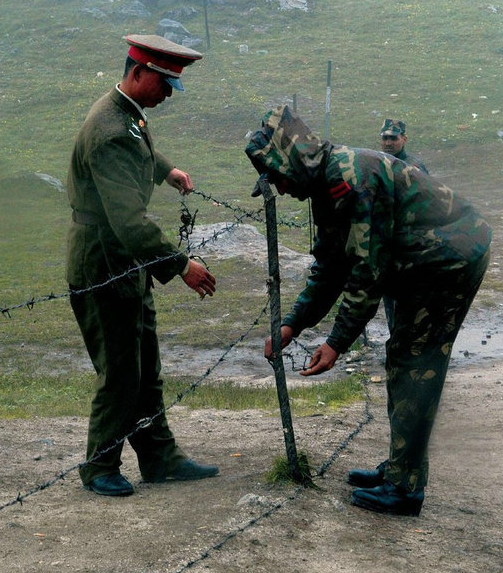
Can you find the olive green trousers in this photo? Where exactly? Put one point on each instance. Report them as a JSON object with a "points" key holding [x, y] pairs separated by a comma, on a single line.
{"points": [[427, 321], [120, 336]]}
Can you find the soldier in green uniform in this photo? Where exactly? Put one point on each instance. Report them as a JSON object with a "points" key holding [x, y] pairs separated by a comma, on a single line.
{"points": [[393, 140], [113, 169], [383, 227]]}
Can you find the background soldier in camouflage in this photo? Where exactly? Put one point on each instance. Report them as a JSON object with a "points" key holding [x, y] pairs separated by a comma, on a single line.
{"points": [[393, 140], [383, 227]]}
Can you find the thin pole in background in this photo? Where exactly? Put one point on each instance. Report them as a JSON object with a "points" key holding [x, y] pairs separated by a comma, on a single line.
{"points": [[327, 101], [206, 23]]}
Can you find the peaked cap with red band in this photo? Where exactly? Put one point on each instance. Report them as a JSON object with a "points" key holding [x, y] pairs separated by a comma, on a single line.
{"points": [[162, 55]]}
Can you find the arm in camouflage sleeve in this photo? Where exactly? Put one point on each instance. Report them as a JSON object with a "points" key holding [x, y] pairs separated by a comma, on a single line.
{"points": [[357, 307], [368, 260], [325, 282], [368, 242], [315, 301]]}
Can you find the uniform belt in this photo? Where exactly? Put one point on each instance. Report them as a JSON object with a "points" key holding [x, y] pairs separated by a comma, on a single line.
{"points": [[87, 218]]}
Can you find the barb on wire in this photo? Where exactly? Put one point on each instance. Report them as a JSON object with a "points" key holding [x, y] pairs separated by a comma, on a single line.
{"points": [[188, 221], [254, 215], [293, 358]]}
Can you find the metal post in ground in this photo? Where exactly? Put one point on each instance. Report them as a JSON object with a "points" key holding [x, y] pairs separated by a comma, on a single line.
{"points": [[206, 24], [275, 305], [327, 99]]}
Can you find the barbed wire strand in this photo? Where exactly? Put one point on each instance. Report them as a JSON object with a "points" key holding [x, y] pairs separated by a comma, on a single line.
{"points": [[282, 221], [242, 214], [368, 417], [322, 470], [6, 311], [144, 422]]}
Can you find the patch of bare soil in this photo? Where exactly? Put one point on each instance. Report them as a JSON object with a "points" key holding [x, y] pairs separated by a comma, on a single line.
{"points": [[236, 521]]}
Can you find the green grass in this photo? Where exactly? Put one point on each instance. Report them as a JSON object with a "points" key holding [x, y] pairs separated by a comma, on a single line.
{"points": [[28, 395], [282, 473], [433, 63], [439, 56], [305, 400]]}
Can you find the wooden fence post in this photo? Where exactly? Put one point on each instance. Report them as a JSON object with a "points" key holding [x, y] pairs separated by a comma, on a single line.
{"points": [[275, 305]]}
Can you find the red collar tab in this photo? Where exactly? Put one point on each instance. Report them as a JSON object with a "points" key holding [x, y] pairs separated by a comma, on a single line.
{"points": [[339, 190]]}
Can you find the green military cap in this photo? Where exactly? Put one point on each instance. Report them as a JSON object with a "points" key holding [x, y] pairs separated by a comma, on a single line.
{"points": [[162, 55], [393, 127]]}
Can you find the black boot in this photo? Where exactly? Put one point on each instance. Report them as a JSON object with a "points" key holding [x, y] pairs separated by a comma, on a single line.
{"points": [[389, 498], [367, 478]]}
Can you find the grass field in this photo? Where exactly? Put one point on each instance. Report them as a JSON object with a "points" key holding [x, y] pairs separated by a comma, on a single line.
{"points": [[435, 64]]}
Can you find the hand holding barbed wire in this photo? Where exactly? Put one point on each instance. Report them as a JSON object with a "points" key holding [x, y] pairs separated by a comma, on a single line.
{"points": [[323, 359], [286, 338], [180, 180], [199, 278]]}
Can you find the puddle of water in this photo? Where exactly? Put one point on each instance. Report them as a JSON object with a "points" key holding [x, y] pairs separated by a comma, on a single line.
{"points": [[480, 338]]}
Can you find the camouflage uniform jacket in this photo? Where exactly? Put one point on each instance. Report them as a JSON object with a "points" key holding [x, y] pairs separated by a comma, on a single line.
{"points": [[411, 159], [383, 228], [111, 179]]}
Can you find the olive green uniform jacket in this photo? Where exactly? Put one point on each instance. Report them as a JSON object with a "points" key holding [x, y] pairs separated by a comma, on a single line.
{"points": [[111, 179]]}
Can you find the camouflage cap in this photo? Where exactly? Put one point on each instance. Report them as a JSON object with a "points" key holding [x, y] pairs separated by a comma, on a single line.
{"points": [[393, 127], [162, 55]]}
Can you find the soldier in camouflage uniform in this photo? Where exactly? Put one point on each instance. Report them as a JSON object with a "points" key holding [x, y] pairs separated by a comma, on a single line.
{"points": [[383, 227], [393, 140], [111, 179]]}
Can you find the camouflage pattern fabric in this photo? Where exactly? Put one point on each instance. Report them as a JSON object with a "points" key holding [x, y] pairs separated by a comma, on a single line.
{"points": [[393, 127], [411, 159], [417, 356], [396, 231], [404, 230]]}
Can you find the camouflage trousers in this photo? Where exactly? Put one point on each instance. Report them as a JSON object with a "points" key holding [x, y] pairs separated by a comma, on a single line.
{"points": [[417, 356], [120, 336]]}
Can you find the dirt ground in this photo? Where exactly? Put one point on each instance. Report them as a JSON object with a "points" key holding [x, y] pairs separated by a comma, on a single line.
{"points": [[236, 521]]}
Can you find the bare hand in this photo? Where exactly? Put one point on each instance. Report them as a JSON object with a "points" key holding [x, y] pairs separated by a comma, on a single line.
{"points": [[323, 359], [198, 278], [286, 338], [180, 180]]}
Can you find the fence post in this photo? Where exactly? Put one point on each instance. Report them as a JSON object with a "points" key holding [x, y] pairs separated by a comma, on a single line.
{"points": [[206, 24], [275, 304], [327, 99]]}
